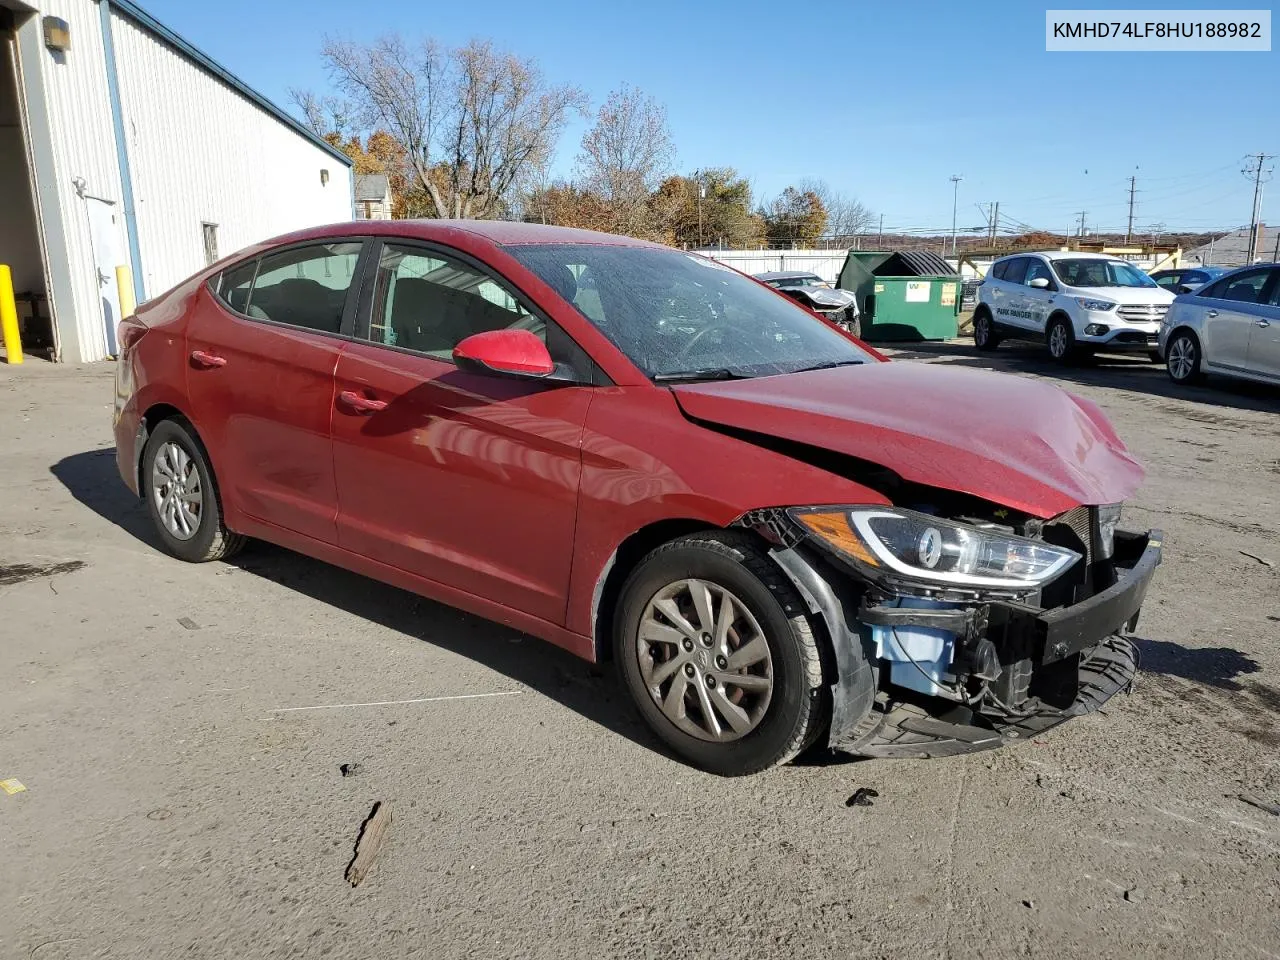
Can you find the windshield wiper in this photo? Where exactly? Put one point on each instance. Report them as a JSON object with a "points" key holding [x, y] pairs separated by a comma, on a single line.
{"points": [[830, 364], [713, 373]]}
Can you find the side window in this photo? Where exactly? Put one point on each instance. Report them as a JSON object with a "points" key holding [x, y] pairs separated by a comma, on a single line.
{"points": [[1016, 270], [1192, 276], [998, 269], [306, 286], [428, 303], [1273, 297], [1037, 268], [1245, 287], [233, 289], [1170, 280]]}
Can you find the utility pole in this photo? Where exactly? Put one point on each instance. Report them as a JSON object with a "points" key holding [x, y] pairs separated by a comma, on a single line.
{"points": [[995, 223], [1128, 234], [1253, 168], [881, 243], [955, 197], [1082, 215]]}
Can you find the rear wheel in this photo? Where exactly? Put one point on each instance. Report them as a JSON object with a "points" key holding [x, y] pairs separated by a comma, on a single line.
{"points": [[719, 654], [181, 496], [984, 333], [1183, 357], [1061, 340]]}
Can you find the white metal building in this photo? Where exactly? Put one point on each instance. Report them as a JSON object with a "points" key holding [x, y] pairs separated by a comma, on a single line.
{"points": [[123, 145]]}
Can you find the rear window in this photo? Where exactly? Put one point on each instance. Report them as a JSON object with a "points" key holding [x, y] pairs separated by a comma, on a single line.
{"points": [[998, 268], [1244, 287], [1016, 270], [234, 288]]}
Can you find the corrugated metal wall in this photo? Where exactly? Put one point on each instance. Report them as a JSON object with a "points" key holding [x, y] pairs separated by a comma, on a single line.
{"points": [[79, 110], [825, 263], [201, 152]]}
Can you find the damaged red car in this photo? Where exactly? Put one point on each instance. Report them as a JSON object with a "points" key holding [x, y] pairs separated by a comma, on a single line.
{"points": [[636, 453]]}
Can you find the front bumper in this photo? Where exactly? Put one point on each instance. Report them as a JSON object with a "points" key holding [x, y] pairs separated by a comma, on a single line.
{"points": [[1044, 665], [1123, 340]]}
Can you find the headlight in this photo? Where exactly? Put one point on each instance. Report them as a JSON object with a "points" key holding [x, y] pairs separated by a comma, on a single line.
{"points": [[1100, 305], [901, 545]]}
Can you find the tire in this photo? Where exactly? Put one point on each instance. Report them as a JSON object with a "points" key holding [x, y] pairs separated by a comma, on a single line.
{"points": [[853, 323], [769, 620], [191, 530], [1060, 340], [1182, 358], [985, 337]]}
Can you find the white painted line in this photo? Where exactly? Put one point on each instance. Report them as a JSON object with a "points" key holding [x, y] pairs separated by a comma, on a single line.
{"points": [[389, 703]]}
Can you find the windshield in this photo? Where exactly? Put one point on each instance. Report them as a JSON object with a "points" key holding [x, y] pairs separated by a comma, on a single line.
{"points": [[1101, 273], [674, 313]]}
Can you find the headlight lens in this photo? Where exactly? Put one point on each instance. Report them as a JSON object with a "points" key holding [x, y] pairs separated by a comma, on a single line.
{"points": [[1102, 305], [895, 544]]}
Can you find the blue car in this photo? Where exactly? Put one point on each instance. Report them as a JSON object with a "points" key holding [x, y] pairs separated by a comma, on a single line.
{"points": [[1187, 279]]}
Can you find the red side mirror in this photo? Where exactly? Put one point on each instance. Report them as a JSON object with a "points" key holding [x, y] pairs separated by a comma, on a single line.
{"points": [[510, 353]]}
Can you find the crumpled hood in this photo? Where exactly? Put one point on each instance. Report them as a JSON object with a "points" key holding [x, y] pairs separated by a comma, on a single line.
{"points": [[1018, 442], [826, 298]]}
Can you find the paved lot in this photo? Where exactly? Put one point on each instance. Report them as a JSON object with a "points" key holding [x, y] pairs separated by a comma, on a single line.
{"points": [[178, 804]]}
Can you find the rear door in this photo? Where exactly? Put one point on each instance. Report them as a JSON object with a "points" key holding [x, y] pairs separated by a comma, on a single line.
{"points": [[1264, 339], [261, 356], [1228, 317], [466, 479], [1009, 302]]}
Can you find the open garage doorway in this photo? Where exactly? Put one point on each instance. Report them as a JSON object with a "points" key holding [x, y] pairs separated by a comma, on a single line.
{"points": [[20, 242]]}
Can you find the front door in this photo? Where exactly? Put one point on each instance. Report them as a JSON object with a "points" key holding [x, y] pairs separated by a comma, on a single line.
{"points": [[1264, 339], [1229, 316], [466, 479], [1038, 301], [261, 356], [108, 253]]}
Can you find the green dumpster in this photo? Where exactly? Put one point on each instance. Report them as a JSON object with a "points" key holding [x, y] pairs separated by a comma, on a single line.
{"points": [[903, 295]]}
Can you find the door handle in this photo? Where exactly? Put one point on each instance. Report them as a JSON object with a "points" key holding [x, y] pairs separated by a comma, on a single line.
{"points": [[1262, 323], [202, 359], [361, 404], [1212, 313]]}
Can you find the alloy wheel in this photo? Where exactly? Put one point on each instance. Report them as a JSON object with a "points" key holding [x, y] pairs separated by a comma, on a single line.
{"points": [[1182, 358], [1058, 341], [981, 330], [176, 490], [705, 660]]}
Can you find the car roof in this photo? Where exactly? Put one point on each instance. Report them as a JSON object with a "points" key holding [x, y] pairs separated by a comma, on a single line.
{"points": [[787, 275], [499, 232]]}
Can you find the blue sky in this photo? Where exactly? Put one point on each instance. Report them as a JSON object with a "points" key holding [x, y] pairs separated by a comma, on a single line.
{"points": [[885, 101]]}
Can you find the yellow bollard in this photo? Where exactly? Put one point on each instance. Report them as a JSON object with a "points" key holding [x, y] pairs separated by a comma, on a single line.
{"points": [[9, 316], [124, 284]]}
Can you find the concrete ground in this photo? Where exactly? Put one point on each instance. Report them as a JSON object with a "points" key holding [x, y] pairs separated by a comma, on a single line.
{"points": [[180, 730]]}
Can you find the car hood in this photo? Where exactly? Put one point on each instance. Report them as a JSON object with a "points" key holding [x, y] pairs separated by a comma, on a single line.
{"points": [[1126, 296], [827, 298], [1017, 442]]}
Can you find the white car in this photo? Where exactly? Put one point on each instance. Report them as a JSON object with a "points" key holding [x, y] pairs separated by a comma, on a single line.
{"points": [[1074, 302], [1229, 327]]}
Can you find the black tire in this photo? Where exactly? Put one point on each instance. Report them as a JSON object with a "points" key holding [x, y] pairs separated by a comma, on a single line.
{"points": [[210, 539], [853, 322], [985, 337], [1069, 352], [1180, 372], [734, 562]]}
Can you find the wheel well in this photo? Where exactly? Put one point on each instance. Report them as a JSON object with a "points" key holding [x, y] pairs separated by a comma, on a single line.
{"points": [[981, 310], [625, 559], [1060, 314], [159, 412], [1184, 329]]}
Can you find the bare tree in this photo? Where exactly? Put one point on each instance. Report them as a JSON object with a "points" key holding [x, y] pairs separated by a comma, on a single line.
{"points": [[328, 117], [472, 121], [847, 218], [626, 155]]}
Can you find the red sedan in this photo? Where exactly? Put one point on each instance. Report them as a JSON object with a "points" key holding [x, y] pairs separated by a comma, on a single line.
{"points": [[637, 453]]}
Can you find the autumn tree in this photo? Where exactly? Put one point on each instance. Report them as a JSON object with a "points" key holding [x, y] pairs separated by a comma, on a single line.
{"points": [[796, 216], [624, 156], [847, 218], [712, 207], [471, 121]]}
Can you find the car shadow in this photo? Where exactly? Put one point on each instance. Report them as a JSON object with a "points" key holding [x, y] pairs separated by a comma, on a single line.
{"points": [[591, 690], [1212, 666], [1115, 372]]}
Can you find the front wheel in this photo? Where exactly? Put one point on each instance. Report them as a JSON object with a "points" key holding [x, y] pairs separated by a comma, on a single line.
{"points": [[1061, 339], [719, 654], [1183, 358]]}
